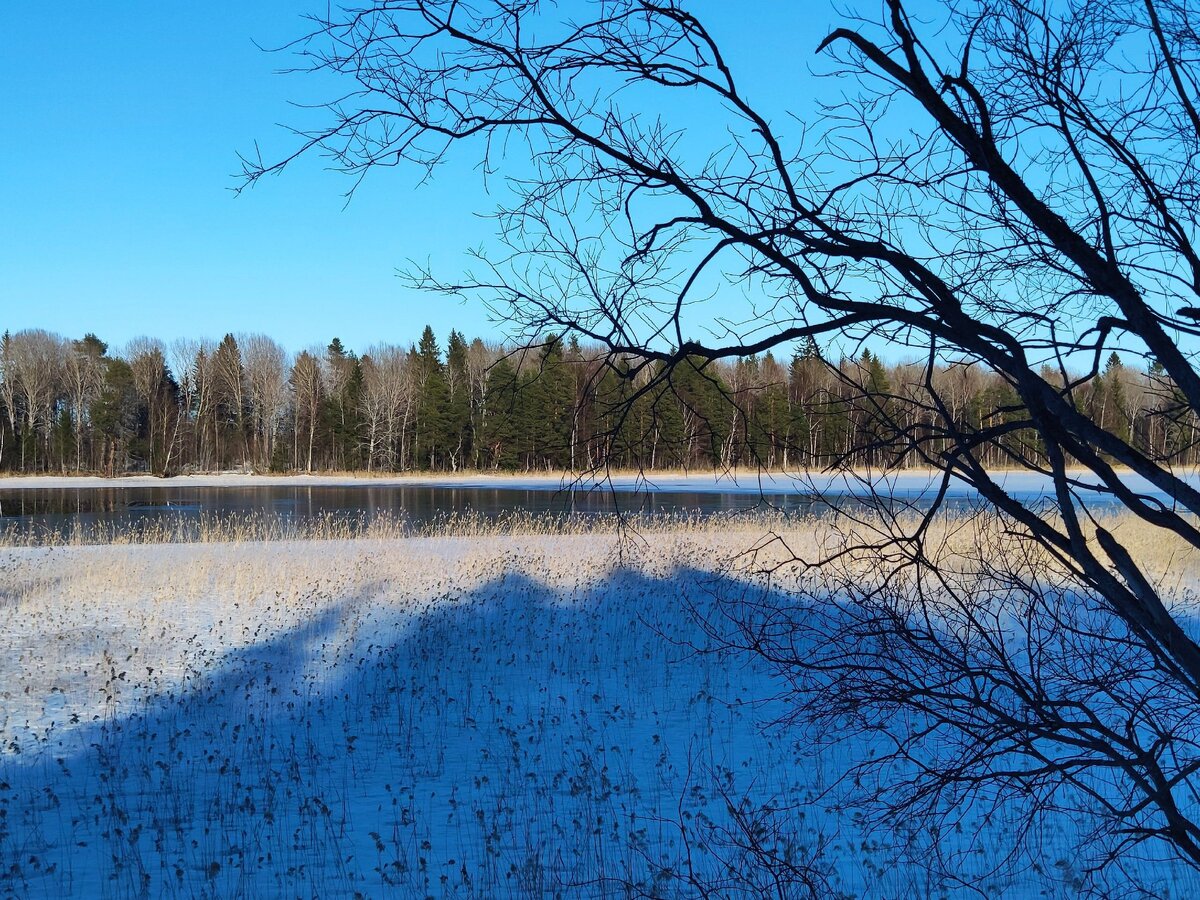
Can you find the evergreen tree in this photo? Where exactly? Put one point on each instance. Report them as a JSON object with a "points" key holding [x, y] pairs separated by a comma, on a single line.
{"points": [[457, 425], [500, 449], [115, 417], [430, 446], [556, 407], [229, 409], [704, 407], [872, 410], [547, 403], [773, 413], [1115, 413], [84, 376], [668, 445], [342, 417]]}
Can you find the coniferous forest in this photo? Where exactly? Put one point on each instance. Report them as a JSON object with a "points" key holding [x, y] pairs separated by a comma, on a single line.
{"points": [[246, 403]]}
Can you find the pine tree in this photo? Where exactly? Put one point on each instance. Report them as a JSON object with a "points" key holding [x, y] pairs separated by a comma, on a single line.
{"points": [[772, 414], [667, 448], [704, 408]]}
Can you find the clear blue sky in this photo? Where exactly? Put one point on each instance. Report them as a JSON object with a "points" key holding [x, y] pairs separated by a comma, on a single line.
{"points": [[121, 128]]}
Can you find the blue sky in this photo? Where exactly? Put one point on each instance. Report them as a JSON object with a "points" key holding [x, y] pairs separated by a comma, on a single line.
{"points": [[122, 124]]}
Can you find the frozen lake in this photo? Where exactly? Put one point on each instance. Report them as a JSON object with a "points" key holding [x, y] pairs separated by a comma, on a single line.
{"points": [[459, 717]]}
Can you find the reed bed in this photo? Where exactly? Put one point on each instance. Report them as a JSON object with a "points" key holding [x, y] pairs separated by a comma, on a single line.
{"points": [[765, 537], [209, 528]]}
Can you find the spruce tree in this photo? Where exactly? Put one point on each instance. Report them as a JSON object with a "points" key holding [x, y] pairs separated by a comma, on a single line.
{"points": [[342, 413], [114, 417], [548, 400], [458, 432], [433, 395], [230, 403], [499, 437]]}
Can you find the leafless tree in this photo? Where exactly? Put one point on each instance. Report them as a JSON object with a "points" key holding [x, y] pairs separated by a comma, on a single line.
{"points": [[203, 370], [34, 363], [184, 354], [148, 364], [83, 372], [480, 357], [306, 405], [1012, 188], [8, 388], [389, 396], [266, 367]]}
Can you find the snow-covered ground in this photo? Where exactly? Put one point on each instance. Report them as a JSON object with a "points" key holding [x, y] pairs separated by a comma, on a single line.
{"points": [[477, 717]]}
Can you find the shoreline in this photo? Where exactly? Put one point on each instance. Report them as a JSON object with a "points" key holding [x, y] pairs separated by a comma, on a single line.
{"points": [[736, 481]]}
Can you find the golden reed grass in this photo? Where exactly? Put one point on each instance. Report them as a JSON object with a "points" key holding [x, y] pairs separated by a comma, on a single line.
{"points": [[209, 528]]}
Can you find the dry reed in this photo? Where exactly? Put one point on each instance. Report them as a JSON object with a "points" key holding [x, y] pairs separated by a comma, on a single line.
{"points": [[209, 528]]}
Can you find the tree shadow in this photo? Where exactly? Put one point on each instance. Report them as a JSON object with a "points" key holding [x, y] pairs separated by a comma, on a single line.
{"points": [[516, 740]]}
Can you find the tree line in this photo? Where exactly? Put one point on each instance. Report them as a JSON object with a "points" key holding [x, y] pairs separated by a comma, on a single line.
{"points": [[244, 403]]}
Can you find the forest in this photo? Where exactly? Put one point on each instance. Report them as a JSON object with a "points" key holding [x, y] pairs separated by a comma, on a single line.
{"points": [[246, 403]]}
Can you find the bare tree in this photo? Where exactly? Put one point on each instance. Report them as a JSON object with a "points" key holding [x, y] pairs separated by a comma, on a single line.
{"points": [[83, 372], [388, 401], [8, 387], [35, 365], [306, 404], [203, 371], [1012, 188], [184, 356], [148, 364], [266, 366]]}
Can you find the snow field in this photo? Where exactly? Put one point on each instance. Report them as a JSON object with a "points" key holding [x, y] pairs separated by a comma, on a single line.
{"points": [[473, 717]]}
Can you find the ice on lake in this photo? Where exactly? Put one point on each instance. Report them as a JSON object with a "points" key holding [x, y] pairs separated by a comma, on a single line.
{"points": [[534, 716]]}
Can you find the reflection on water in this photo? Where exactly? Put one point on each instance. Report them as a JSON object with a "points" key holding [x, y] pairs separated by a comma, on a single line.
{"points": [[64, 509]]}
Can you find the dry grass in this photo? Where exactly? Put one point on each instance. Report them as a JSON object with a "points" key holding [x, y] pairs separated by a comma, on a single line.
{"points": [[257, 527], [767, 538]]}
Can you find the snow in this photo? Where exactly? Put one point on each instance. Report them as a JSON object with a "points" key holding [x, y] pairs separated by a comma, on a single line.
{"points": [[444, 716]]}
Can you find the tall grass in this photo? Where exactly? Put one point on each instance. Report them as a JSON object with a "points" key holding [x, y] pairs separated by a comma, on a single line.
{"points": [[216, 528]]}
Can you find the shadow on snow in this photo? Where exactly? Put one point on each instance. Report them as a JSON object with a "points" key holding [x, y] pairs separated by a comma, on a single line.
{"points": [[514, 740]]}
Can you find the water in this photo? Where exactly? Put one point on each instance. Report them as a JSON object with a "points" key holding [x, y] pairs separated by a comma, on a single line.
{"points": [[78, 508], [64, 509]]}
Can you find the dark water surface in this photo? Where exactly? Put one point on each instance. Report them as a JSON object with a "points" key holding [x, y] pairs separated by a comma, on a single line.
{"points": [[67, 509], [84, 509]]}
